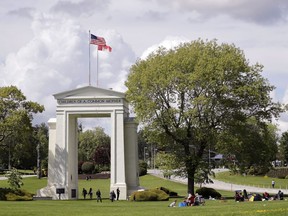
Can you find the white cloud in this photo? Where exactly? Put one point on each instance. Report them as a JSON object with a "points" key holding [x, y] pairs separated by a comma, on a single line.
{"points": [[169, 42], [258, 11], [44, 44], [78, 8], [56, 60], [22, 12]]}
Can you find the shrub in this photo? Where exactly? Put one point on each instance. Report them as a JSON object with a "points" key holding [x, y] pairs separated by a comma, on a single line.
{"points": [[142, 168], [80, 163], [15, 195], [168, 191], [278, 172], [143, 196], [206, 192], [149, 195], [104, 168], [88, 167], [14, 178]]}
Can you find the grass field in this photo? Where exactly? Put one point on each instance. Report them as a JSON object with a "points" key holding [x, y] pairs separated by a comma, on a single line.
{"points": [[32, 184], [257, 181], [91, 207]]}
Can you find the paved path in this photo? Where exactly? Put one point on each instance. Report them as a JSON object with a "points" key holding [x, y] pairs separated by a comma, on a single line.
{"points": [[24, 176], [219, 185]]}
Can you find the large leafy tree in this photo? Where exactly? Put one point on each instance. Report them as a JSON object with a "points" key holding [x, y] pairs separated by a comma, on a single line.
{"points": [[283, 147], [185, 96], [16, 115], [253, 146], [40, 141], [144, 149], [94, 145]]}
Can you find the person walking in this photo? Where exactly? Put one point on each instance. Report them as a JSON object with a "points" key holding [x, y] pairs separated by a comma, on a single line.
{"points": [[98, 196], [112, 196], [84, 193], [90, 193], [118, 193], [273, 183]]}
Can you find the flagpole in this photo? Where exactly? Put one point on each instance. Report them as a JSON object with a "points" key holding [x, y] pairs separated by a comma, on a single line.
{"points": [[89, 60], [97, 67]]}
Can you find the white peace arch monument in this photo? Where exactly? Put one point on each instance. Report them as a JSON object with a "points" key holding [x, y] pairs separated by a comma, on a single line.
{"points": [[90, 102]]}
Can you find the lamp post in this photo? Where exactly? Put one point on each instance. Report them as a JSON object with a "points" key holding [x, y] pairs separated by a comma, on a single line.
{"points": [[9, 157], [145, 148], [154, 158], [38, 161], [209, 156]]}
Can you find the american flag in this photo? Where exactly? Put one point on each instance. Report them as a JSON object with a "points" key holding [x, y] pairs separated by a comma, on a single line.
{"points": [[97, 40]]}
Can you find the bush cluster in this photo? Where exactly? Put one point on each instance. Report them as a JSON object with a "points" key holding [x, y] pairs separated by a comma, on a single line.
{"points": [[206, 192], [142, 168], [168, 191], [149, 195], [9, 194], [88, 167], [278, 173]]}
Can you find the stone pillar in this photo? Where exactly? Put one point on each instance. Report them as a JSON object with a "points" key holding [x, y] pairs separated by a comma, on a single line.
{"points": [[131, 155], [51, 153], [118, 177], [61, 155], [72, 153], [50, 189]]}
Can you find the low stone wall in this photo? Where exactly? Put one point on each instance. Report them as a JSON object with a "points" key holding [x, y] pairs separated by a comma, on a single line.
{"points": [[94, 176]]}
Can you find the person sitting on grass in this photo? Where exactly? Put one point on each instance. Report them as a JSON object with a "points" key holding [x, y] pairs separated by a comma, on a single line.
{"points": [[266, 196], [190, 199], [183, 203], [239, 197], [173, 204], [199, 200], [279, 195]]}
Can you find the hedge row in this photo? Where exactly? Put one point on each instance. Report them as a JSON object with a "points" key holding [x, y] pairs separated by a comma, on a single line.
{"points": [[278, 173], [9, 194], [149, 195], [207, 192]]}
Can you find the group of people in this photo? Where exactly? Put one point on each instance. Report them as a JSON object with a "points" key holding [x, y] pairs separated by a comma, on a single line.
{"points": [[90, 193], [112, 196], [191, 200], [239, 197], [278, 196]]}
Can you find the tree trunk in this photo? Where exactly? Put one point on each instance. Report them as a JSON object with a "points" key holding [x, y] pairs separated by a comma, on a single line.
{"points": [[191, 173]]}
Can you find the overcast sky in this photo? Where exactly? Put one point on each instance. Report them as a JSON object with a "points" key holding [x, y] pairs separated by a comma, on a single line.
{"points": [[44, 44]]}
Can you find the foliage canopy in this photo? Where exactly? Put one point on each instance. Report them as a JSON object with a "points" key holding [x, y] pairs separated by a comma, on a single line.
{"points": [[15, 111], [185, 97], [16, 115]]}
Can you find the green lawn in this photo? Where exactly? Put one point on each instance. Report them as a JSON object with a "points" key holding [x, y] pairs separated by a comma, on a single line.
{"points": [[257, 181], [91, 207], [32, 184]]}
